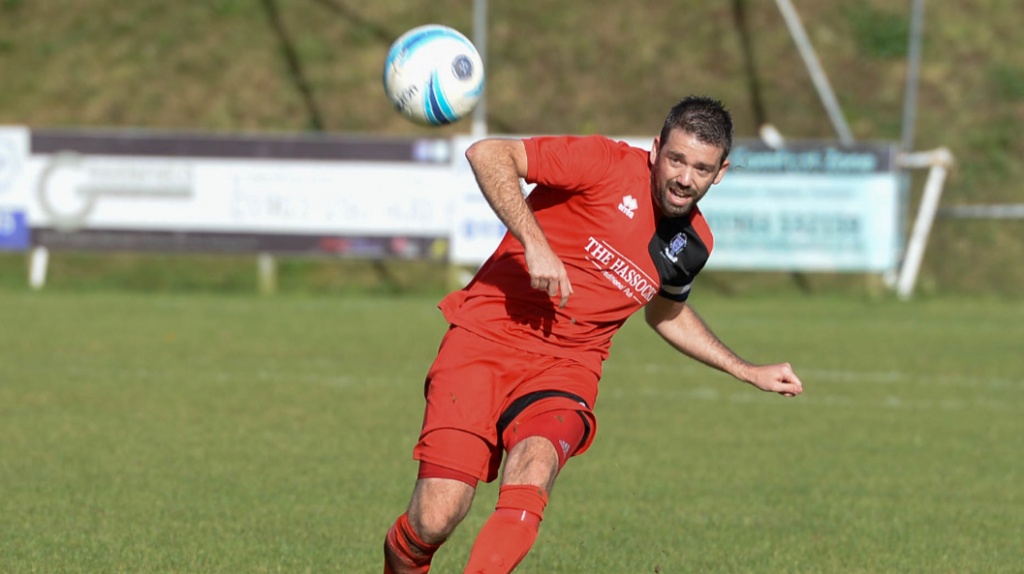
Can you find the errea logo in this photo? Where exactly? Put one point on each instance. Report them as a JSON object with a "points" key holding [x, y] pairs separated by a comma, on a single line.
{"points": [[628, 206]]}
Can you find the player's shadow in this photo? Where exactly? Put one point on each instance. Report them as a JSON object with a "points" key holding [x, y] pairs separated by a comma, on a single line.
{"points": [[534, 309]]}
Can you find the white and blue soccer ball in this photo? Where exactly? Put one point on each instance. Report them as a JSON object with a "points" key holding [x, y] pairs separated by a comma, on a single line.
{"points": [[434, 75]]}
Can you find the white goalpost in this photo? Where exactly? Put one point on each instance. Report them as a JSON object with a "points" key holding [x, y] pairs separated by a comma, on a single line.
{"points": [[938, 162]]}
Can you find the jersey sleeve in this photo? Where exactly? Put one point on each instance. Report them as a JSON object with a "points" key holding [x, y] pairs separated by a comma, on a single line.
{"points": [[680, 252], [569, 163]]}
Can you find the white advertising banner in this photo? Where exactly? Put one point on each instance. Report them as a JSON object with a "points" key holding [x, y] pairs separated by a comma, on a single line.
{"points": [[811, 206], [73, 192], [145, 191]]}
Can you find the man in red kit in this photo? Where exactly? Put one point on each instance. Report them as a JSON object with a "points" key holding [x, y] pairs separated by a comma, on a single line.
{"points": [[607, 230]]}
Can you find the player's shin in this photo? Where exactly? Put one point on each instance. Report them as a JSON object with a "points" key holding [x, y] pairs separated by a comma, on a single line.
{"points": [[509, 533]]}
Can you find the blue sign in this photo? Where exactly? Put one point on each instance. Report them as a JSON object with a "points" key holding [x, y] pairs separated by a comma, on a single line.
{"points": [[14, 232], [806, 208]]}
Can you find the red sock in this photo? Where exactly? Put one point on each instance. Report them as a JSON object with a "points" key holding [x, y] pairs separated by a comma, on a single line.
{"points": [[509, 533], [404, 552]]}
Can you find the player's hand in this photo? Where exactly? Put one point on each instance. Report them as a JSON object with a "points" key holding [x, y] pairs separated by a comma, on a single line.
{"points": [[547, 273], [778, 378]]}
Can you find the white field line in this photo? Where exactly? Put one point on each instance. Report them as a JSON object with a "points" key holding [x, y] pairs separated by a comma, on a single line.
{"points": [[746, 395], [829, 376], [827, 380]]}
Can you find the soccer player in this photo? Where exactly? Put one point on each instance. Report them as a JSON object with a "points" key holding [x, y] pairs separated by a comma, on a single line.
{"points": [[609, 229]]}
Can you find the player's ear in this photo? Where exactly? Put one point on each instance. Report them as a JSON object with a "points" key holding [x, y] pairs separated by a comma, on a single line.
{"points": [[721, 171], [654, 151]]}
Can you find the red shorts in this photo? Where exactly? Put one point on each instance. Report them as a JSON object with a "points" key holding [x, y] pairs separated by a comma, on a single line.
{"points": [[477, 390]]}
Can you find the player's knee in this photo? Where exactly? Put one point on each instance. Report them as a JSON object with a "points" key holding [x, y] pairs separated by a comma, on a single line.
{"points": [[437, 507], [533, 460], [539, 446], [434, 523]]}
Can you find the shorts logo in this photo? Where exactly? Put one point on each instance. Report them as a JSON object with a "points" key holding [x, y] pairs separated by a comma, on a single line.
{"points": [[674, 248], [565, 447], [628, 206]]}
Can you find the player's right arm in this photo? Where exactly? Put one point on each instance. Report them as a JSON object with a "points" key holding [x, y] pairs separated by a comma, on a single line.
{"points": [[498, 164]]}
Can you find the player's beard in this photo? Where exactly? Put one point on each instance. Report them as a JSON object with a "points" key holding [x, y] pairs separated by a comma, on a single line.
{"points": [[668, 196]]}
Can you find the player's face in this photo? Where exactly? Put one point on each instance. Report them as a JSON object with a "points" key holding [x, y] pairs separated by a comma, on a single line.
{"points": [[683, 168]]}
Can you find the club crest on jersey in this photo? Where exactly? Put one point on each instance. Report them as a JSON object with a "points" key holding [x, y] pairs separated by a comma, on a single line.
{"points": [[628, 206], [674, 248]]}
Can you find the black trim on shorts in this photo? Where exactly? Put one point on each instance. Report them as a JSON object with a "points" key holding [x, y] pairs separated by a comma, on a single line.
{"points": [[520, 404]]}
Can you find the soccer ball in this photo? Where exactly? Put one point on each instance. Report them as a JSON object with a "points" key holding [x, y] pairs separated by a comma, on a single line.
{"points": [[433, 75]]}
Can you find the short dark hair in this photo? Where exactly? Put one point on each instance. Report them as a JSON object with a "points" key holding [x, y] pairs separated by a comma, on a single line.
{"points": [[703, 117]]}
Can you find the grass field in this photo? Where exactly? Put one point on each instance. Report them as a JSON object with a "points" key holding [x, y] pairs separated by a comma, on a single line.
{"points": [[214, 433]]}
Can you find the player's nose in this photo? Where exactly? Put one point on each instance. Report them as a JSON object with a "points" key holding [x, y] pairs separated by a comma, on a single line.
{"points": [[685, 178]]}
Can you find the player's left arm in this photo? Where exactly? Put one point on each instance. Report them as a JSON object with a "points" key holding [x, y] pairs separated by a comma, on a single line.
{"points": [[682, 328]]}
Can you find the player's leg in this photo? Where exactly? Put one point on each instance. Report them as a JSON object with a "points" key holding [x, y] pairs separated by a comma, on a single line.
{"points": [[440, 501], [458, 446], [538, 447]]}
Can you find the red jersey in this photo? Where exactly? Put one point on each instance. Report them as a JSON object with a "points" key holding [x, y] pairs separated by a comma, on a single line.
{"points": [[594, 203]]}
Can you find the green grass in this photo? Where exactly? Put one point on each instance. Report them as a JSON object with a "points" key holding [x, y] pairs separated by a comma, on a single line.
{"points": [[214, 433]]}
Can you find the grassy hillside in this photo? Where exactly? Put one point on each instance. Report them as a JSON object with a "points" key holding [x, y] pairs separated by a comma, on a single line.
{"points": [[600, 66]]}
